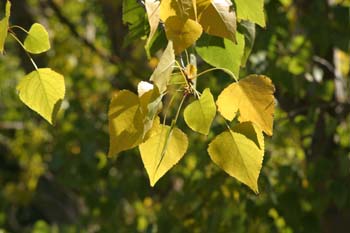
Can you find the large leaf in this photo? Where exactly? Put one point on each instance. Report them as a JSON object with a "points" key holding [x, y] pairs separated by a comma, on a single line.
{"points": [[4, 24], [162, 151], [251, 131], [218, 19], [152, 9], [162, 73], [42, 90], [37, 40], [221, 53], [252, 10], [253, 98], [181, 8], [126, 127], [183, 32], [239, 156], [200, 114]]}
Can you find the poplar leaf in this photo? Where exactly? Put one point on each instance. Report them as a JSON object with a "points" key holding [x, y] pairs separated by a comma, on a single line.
{"points": [[42, 90], [238, 156], [200, 114], [221, 52], [162, 73], [183, 32], [37, 40], [153, 14], [181, 8], [162, 151], [251, 131], [253, 98], [252, 10], [218, 19], [248, 30], [125, 122], [4, 24]]}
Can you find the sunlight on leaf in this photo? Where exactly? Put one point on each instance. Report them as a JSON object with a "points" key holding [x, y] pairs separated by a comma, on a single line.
{"points": [[152, 9], [252, 10], [37, 40], [4, 24]]}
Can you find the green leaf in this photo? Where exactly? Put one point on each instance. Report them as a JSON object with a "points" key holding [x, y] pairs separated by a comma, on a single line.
{"points": [[218, 18], [4, 24], [253, 98], [248, 30], [162, 151], [153, 14], [200, 114], [126, 127], [221, 53], [252, 10], [162, 73], [37, 40], [42, 90], [238, 156]]}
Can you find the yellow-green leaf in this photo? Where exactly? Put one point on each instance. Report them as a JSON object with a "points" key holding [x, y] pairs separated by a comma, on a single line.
{"points": [[238, 156], [162, 73], [162, 151], [152, 9], [42, 90], [253, 98], [125, 122], [252, 10], [183, 32], [251, 131], [37, 40], [218, 19], [200, 114], [4, 24]]}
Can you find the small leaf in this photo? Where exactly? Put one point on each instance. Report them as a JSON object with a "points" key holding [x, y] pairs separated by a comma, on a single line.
{"points": [[162, 73], [218, 18], [153, 14], [37, 40], [144, 87], [252, 10], [238, 156], [125, 122], [221, 53], [42, 90], [253, 98], [162, 151], [248, 30], [4, 24], [200, 114], [183, 32]]}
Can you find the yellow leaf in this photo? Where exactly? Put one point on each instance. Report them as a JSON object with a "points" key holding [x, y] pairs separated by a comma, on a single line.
{"points": [[218, 18], [253, 98], [181, 8], [238, 156], [183, 32], [153, 14], [165, 147], [251, 10], [4, 24]]}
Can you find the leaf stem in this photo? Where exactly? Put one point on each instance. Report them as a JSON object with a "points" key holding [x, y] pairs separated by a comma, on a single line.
{"points": [[19, 27], [223, 69], [19, 42]]}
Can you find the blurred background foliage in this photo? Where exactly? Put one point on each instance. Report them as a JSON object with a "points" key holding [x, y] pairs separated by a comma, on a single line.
{"points": [[58, 179]]}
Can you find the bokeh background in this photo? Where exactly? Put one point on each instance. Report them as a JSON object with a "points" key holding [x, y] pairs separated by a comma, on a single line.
{"points": [[58, 179]]}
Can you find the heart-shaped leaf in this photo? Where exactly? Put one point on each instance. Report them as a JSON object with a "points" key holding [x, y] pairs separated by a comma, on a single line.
{"points": [[37, 40]]}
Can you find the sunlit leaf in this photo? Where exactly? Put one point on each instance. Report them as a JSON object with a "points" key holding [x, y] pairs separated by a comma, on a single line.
{"points": [[4, 24], [162, 151], [238, 156], [42, 90], [125, 122], [37, 40], [200, 114], [182, 8], [253, 98], [183, 32], [221, 53], [161, 74], [218, 19], [153, 14], [252, 10], [251, 131]]}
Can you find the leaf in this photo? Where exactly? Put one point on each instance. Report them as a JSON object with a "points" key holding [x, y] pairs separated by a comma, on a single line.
{"points": [[183, 32], [182, 8], [153, 14], [221, 53], [251, 131], [252, 10], [4, 24], [125, 122], [248, 30], [162, 151], [218, 19], [238, 156], [42, 90], [162, 73], [200, 114], [253, 98], [37, 40]]}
